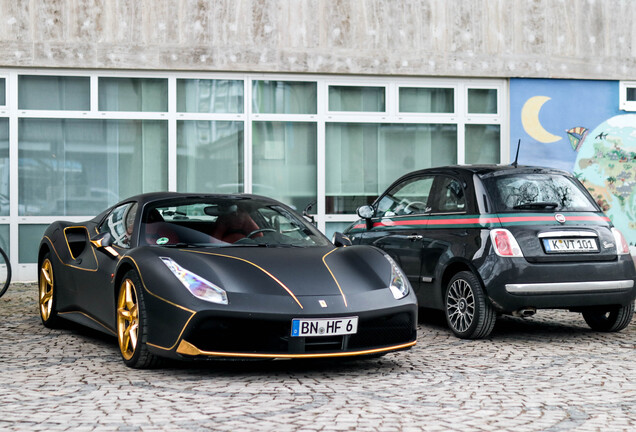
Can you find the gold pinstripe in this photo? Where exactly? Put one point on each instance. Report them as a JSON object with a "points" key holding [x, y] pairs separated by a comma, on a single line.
{"points": [[258, 267], [178, 337], [69, 265], [89, 317], [150, 292], [143, 284], [344, 298], [187, 348]]}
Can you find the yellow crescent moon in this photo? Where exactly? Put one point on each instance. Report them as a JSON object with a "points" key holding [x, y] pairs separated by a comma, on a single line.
{"points": [[531, 123]]}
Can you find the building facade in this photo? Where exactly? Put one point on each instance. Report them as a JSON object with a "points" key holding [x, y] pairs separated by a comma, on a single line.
{"points": [[307, 101]]}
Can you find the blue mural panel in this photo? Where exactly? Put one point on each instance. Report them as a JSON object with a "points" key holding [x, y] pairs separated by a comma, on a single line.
{"points": [[576, 125], [551, 108]]}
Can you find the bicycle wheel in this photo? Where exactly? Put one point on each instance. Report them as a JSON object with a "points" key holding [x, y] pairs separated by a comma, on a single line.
{"points": [[5, 272]]}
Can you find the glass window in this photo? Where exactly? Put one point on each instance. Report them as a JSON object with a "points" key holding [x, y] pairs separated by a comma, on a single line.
{"points": [[54, 92], [538, 192], [450, 198], [332, 227], [284, 162], [120, 224], [4, 166], [210, 96], [80, 167], [482, 101], [4, 238], [3, 91], [427, 100], [210, 156], [133, 94], [631, 94], [284, 97], [408, 198], [366, 99], [30, 237], [220, 221], [482, 144], [362, 160]]}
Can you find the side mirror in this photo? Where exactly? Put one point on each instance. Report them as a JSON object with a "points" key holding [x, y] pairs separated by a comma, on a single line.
{"points": [[306, 214], [340, 240], [104, 241], [366, 212]]}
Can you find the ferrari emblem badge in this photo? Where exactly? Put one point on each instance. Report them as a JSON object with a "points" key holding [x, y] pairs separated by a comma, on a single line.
{"points": [[322, 303]]}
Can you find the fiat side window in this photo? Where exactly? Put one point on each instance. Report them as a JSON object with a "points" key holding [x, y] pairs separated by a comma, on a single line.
{"points": [[407, 198], [451, 197]]}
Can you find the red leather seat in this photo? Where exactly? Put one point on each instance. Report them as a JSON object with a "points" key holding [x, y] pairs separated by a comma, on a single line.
{"points": [[235, 226]]}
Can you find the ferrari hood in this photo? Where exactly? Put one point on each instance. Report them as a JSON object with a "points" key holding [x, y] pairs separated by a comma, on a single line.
{"points": [[300, 272]]}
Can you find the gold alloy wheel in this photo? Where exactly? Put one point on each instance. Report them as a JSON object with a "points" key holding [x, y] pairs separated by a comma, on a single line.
{"points": [[46, 289], [127, 319]]}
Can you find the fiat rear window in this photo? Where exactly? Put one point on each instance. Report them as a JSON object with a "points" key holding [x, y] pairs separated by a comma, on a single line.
{"points": [[538, 192]]}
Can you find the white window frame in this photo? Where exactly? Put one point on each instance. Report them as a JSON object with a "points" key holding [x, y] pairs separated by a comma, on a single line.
{"points": [[362, 83], [391, 84], [624, 104]]}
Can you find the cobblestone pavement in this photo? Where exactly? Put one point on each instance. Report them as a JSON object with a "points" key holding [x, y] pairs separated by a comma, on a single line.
{"points": [[546, 373]]}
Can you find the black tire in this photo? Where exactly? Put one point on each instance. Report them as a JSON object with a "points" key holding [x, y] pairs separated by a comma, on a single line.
{"points": [[47, 298], [5, 272], [468, 312], [612, 320], [132, 324]]}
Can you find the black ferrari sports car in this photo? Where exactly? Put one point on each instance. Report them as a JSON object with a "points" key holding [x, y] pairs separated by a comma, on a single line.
{"points": [[222, 276]]}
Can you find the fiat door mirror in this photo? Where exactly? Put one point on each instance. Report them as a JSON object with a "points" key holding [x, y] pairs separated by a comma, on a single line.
{"points": [[366, 212]]}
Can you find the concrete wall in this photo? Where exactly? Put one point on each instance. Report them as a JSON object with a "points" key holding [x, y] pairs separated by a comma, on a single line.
{"points": [[478, 38]]}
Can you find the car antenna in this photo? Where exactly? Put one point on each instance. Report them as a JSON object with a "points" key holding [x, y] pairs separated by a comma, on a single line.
{"points": [[514, 164]]}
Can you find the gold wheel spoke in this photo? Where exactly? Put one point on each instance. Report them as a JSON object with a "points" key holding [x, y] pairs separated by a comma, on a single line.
{"points": [[46, 297], [133, 311], [45, 273], [128, 319], [133, 335], [124, 313], [125, 341], [128, 294]]}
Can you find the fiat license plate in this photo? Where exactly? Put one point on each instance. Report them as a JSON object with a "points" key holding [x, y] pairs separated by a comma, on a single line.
{"points": [[565, 245], [324, 326]]}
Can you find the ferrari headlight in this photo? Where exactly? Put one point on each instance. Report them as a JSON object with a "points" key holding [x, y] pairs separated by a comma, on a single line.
{"points": [[199, 287], [399, 284]]}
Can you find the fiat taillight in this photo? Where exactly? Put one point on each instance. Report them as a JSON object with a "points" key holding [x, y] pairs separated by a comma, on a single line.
{"points": [[622, 248], [505, 244]]}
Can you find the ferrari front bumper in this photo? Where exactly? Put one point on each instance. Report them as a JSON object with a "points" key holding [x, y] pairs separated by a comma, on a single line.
{"points": [[269, 337]]}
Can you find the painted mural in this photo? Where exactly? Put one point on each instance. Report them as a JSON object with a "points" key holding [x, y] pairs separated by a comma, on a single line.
{"points": [[576, 125]]}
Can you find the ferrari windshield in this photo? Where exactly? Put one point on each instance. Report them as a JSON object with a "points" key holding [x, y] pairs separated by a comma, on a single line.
{"points": [[226, 221], [538, 192]]}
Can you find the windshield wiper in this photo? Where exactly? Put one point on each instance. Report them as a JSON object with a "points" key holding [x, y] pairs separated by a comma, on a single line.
{"points": [[188, 245], [537, 205]]}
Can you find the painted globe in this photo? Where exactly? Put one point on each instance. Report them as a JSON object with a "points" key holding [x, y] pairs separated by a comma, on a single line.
{"points": [[606, 164]]}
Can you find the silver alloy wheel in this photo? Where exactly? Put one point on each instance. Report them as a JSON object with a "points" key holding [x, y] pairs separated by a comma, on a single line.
{"points": [[460, 305]]}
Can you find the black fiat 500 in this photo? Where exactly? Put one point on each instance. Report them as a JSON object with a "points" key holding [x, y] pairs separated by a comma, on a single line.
{"points": [[482, 240]]}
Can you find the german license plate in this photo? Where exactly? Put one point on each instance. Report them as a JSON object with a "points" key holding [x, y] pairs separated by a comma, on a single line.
{"points": [[565, 245], [324, 326]]}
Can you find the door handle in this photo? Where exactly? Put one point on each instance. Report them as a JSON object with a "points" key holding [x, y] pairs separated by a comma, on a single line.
{"points": [[414, 237]]}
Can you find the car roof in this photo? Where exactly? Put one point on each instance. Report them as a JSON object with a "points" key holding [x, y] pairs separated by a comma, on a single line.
{"points": [[162, 196], [488, 170]]}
